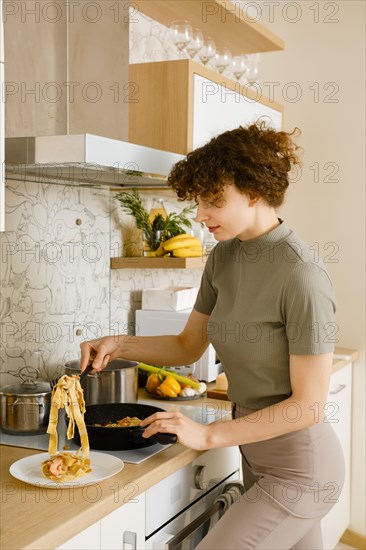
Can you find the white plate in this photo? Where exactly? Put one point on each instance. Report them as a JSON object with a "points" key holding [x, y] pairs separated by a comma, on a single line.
{"points": [[28, 469]]}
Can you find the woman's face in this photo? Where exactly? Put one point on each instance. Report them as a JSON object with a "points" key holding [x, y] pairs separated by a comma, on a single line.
{"points": [[234, 216]]}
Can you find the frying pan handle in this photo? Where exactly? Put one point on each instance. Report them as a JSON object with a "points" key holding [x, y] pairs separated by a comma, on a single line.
{"points": [[166, 439], [162, 438]]}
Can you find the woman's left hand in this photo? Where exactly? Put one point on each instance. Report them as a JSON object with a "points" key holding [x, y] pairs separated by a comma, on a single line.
{"points": [[190, 434]]}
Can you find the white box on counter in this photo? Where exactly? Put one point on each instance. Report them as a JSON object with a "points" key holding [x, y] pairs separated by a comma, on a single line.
{"points": [[173, 298]]}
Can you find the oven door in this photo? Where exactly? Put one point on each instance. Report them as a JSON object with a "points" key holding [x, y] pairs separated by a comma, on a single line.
{"points": [[188, 528]]}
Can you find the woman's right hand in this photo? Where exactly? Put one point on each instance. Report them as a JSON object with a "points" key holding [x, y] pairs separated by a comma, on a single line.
{"points": [[100, 351]]}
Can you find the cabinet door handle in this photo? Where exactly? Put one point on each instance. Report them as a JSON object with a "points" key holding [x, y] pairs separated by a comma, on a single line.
{"points": [[129, 540], [337, 389]]}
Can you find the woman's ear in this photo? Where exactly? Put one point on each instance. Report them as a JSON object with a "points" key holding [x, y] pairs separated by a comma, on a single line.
{"points": [[253, 197]]}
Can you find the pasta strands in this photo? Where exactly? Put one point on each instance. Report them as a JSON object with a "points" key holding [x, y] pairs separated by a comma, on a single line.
{"points": [[68, 395]]}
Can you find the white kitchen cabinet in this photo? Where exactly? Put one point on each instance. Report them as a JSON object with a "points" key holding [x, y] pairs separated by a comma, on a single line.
{"points": [[217, 108], [338, 411], [180, 105], [124, 529], [87, 539]]}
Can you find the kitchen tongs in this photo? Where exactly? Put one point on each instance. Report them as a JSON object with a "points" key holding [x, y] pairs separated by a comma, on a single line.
{"points": [[88, 369], [85, 373]]}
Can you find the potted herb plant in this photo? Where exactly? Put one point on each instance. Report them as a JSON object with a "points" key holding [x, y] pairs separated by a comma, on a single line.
{"points": [[159, 228]]}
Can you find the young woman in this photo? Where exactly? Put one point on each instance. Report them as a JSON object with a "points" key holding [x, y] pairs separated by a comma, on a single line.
{"points": [[267, 307]]}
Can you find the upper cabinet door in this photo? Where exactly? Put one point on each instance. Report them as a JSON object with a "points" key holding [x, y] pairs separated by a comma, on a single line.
{"points": [[179, 105], [218, 108]]}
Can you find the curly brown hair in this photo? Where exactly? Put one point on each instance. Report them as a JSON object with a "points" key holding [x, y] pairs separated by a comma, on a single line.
{"points": [[256, 159]]}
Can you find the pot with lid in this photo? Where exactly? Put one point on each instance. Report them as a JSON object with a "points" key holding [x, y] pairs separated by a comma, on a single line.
{"points": [[117, 383], [25, 405]]}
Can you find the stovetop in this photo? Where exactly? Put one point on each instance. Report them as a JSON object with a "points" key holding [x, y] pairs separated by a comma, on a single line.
{"points": [[204, 413]]}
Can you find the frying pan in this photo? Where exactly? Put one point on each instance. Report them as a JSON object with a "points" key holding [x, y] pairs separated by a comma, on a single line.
{"points": [[120, 439]]}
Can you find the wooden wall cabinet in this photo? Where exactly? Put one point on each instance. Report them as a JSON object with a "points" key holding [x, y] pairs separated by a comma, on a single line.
{"points": [[67, 68], [180, 105]]}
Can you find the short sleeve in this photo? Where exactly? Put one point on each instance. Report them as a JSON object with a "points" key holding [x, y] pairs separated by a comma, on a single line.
{"points": [[207, 294], [309, 310]]}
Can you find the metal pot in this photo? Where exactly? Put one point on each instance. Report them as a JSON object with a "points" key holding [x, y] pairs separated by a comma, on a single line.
{"points": [[117, 383], [25, 407]]}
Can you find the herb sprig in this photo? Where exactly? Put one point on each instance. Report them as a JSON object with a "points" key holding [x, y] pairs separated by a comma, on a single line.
{"points": [[171, 226]]}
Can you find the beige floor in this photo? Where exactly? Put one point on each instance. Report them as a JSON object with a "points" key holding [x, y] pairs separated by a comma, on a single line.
{"points": [[341, 546]]}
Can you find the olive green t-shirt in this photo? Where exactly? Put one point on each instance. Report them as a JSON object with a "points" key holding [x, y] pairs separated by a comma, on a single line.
{"points": [[267, 298]]}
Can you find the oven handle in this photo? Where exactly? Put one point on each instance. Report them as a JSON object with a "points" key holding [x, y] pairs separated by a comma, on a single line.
{"points": [[194, 525]]}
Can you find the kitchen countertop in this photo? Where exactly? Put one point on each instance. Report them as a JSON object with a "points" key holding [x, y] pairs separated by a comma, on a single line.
{"points": [[46, 515]]}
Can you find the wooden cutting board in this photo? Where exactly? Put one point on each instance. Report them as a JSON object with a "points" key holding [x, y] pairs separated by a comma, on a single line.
{"points": [[218, 394]]}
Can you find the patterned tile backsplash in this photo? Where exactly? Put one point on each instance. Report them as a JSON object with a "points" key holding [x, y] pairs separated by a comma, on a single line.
{"points": [[149, 40], [56, 285]]}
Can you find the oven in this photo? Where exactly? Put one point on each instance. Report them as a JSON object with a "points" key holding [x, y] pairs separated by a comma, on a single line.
{"points": [[184, 506]]}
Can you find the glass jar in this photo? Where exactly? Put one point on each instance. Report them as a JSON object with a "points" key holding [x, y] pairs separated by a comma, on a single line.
{"points": [[157, 208], [151, 242]]}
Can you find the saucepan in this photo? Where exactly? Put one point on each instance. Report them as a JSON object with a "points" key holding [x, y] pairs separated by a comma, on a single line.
{"points": [[117, 383], [120, 439], [25, 406]]}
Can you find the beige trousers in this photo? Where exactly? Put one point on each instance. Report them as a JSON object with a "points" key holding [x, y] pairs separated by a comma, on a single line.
{"points": [[291, 482]]}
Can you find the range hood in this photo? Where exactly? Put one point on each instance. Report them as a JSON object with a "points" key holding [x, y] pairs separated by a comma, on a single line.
{"points": [[87, 160]]}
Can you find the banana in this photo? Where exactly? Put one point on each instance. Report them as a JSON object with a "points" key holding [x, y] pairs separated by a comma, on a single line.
{"points": [[180, 236], [170, 245], [188, 252], [177, 239], [160, 252]]}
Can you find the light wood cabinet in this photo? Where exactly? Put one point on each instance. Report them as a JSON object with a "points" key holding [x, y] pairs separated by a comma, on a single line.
{"points": [[338, 411], [68, 74], [180, 105]]}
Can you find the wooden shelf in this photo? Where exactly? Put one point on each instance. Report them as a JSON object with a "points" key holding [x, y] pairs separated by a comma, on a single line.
{"points": [[140, 262], [226, 22]]}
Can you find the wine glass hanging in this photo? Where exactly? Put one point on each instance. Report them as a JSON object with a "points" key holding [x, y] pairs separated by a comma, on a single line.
{"points": [[182, 33], [192, 44]]}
